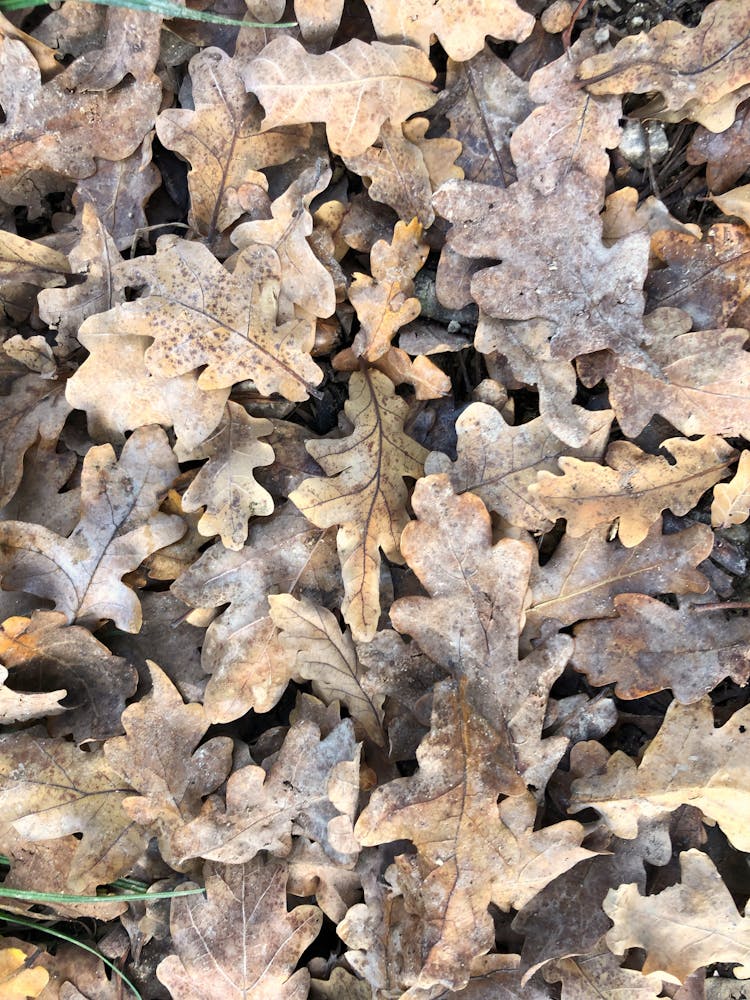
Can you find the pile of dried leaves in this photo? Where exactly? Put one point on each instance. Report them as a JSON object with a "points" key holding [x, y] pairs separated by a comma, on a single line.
{"points": [[375, 501]]}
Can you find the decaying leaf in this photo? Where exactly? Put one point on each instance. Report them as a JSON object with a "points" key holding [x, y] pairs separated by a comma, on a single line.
{"points": [[471, 851], [222, 140], [364, 492], [119, 526], [225, 485], [385, 302], [650, 646], [20, 706], [689, 761], [731, 503], [328, 658], [353, 88], [240, 942], [19, 979], [50, 788], [687, 925], [634, 487]]}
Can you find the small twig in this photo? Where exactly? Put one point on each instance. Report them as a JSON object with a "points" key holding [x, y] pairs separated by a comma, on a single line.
{"points": [[721, 606], [567, 34]]}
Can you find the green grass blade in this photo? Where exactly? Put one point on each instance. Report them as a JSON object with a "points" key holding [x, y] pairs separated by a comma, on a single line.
{"points": [[166, 8], [11, 919], [30, 896]]}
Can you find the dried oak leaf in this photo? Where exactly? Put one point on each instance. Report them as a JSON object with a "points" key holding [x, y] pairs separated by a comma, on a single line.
{"points": [[484, 103], [599, 974], [160, 759], [634, 487], [725, 153], [50, 788], [703, 386], [688, 761], [120, 525], [497, 461], [353, 88], [52, 133], [385, 302], [119, 393], [584, 575], [23, 261], [119, 190], [240, 942], [731, 503], [690, 924], [225, 485], [328, 657], [304, 280], [222, 140], [650, 647], [460, 27], [201, 316], [471, 621], [131, 48], [43, 652], [19, 979], [34, 410], [364, 493], [249, 666], [428, 381], [310, 787], [94, 255], [471, 851], [590, 296], [692, 68], [709, 278], [20, 706]]}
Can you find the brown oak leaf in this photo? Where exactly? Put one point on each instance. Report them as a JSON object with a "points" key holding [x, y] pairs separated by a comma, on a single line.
{"points": [[724, 153], [353, 88], [222, 140], [20, 706], [364, 493], [225, 485], [50, 788], [240, 942], [649, 647], [634, 487], [120, 525], [385, 302], [689, 761], [161, 760], [731, 503]]}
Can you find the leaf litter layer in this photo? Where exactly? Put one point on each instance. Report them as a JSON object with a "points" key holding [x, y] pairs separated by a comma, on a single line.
{"points": [[373, 422]]}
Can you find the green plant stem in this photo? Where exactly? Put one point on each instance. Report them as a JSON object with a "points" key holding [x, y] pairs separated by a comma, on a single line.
{"points": [[29, 896], [166, 8]]}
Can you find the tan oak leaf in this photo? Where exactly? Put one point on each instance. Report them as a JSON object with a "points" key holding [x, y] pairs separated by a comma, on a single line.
{"points": [[731, 503], [364, 492], [634, 487], [120, 525], [226, 485]]}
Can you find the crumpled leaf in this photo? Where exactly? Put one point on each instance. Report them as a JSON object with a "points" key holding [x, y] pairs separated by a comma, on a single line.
{"points": [[249, 666], [461, 30], [598, 973], [634, 487], [471, 621], [131, 48], [364, 492], [225, 485], [649, 647], [160, 759], [584, 575], [690, 67], [688, 761], [497, 461], [52, 132], [690, 924], [23, 260], [471, 851], [731, 503], [328, 657], [385, 302], [239, 943], [43, 652], [119, 526], [353, 88], [222, 140], [19, 981], [311, 787], [20, 706], [201, 315], [724, 153], [50, 788], [304, 280]]}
